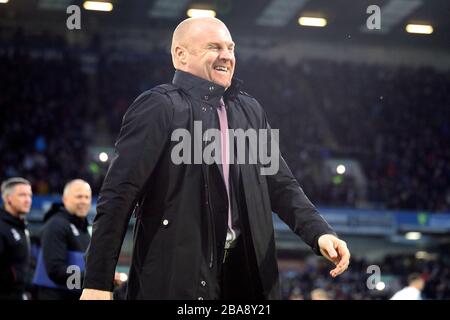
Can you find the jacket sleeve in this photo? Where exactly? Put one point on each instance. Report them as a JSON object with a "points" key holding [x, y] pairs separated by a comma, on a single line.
{"points": [[290, 202], [54, 250], [143, 136]]}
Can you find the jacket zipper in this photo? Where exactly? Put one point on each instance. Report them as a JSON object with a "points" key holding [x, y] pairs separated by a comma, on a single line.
{"points": [[212, 230]]}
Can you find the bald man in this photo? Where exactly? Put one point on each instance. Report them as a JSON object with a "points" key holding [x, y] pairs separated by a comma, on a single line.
{"points": [[203, 228], [204, 47], [64, 240]]}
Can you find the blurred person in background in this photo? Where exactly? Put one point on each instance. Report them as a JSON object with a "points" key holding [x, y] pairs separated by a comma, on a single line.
{"points": [[63, 241], [296, 294], [413, 291], [14, 238], [319, 294]]}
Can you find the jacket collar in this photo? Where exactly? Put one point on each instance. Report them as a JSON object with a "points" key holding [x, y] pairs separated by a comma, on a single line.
{"points": [[207, 91], [80, 223], [11, 220], [59, 209]]}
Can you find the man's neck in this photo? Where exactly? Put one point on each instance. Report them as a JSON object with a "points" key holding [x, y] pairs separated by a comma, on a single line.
{"points": [[74, 214], [178, 69], [12, 212]]}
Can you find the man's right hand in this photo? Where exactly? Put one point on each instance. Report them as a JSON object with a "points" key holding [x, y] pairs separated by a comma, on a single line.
{"points": [[93, 294]]}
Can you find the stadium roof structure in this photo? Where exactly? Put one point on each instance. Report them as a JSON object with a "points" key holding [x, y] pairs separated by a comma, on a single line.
{"points": [[345, 19]]}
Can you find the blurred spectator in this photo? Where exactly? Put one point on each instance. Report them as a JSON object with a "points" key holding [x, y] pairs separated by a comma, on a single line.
{"points": [[14, 238], [319, 294], [413, 291], [296, 294], [64, 240]]}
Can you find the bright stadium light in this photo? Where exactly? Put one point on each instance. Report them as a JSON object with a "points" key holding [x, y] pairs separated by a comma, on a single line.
{"points": [[413, 235], [380, 286], [98, 6], [312, 22], [103, 156], [422, 255], [340, 169], [419, 28], [4, 1], [123, 277], [198, 13]]}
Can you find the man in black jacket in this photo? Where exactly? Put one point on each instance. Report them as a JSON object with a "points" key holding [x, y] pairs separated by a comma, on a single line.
{"points": [[64, 240], [204, 228], [14, 238]]}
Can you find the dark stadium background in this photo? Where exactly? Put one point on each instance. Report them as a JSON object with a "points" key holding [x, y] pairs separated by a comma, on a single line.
{"points": [[375, 102]]}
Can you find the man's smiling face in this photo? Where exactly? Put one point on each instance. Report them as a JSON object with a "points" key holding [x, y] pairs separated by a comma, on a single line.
{"points": [[210, 52]]}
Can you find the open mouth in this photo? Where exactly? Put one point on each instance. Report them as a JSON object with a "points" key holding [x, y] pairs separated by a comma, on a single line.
{"points": [[221, 69]]}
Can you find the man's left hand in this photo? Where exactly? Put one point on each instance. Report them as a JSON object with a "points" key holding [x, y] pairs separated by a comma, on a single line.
{"points": [[336, 251]]}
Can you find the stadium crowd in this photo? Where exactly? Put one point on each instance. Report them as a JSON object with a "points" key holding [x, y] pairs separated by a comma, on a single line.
{"points": [[312, 274], [392, 120]]}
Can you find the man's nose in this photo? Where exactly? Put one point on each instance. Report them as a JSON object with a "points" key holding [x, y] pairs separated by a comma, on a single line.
{"points": [[226, 55]]}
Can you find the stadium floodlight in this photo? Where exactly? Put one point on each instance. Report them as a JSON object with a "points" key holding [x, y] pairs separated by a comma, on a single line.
{"points": [[340, 169], [98, 6], [197, 13], [4, 1], [380, 286], [419, 28], [422, 255], [312, 22], [123, 277], [103, 156], [413, 235]]}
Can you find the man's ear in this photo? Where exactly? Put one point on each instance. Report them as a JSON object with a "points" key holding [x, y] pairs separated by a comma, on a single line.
{"points": [[181, 54], [6, 200]]}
